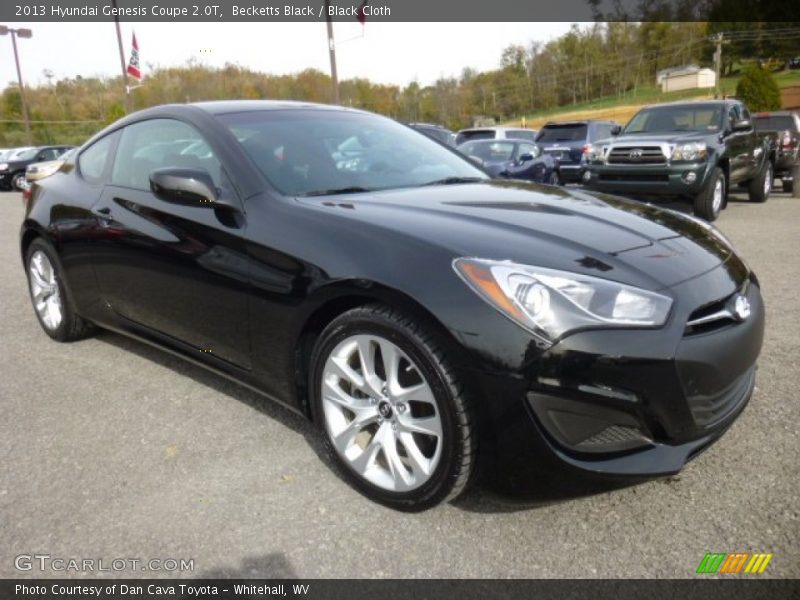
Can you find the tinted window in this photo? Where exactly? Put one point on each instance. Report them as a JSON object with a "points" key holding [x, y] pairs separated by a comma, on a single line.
{"points": [[475, 134], [568, 132], [92, 161], [602, 131], [521, 134], [307, 152], [489, 151], [48, 154], [531, 149], [775, 123], [663, 119], [159, 143]]}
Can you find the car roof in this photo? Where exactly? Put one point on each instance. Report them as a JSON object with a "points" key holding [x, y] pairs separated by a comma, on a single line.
{"points": [[220, 107]]}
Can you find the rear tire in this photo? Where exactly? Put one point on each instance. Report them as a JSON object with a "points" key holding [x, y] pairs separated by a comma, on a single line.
{"points": [[759, 188], [51, 301], [710, 201], [406, 440]]}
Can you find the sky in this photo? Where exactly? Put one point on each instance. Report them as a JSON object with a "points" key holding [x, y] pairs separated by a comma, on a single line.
{"points": [[396, 53]]}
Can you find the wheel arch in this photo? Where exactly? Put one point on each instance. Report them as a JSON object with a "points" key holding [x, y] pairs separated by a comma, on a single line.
{"points": [[339, 298]]}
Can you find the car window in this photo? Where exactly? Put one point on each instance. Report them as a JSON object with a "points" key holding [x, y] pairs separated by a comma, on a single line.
{"points": [[159, 143], [498, 151], [26, 154], [531, 149], [568, 132], [92, 161], [308, 152], [602, 131], [520, 134], [774, 123], [48, 154], [666, 119], [475, 134]]}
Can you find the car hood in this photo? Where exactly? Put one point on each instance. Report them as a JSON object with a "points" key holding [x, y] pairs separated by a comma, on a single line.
{"points": [[670, 137], [560, 228]]}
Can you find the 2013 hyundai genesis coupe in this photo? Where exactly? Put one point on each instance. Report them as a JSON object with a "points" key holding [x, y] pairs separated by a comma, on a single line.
{"points": [[420, 313]]}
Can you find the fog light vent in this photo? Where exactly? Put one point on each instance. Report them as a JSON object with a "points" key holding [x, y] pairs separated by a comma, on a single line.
{"points": [[616, 434]]}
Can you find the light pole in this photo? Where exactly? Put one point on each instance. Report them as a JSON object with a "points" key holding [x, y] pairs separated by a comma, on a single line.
{"points": [[23, 33]]}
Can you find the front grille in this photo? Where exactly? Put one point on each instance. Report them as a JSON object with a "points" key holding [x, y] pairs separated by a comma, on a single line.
{"points": [[710, 410], [636, 155], [645, 177]]}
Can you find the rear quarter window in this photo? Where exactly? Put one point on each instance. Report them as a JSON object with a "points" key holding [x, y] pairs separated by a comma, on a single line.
{"points": [[93, 162]]}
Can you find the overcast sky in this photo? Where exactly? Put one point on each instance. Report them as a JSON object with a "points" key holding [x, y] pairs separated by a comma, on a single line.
{"points": [[384, 52]]}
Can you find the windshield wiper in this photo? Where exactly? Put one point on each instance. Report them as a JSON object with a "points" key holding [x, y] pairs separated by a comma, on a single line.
{"points": [[353, 189], [454, 180]]}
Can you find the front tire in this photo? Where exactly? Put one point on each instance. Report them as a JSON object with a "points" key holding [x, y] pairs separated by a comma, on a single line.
{"points": [[18, 181], [709, 202], [392, 412], [51, 302], [759, 188]]}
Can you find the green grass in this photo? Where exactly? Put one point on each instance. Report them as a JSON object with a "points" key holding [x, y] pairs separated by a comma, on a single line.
{"points": [[651, 94]]}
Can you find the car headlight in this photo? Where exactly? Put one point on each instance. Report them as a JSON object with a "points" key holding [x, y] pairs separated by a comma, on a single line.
{"points": [[691, 151], [551, 303], [3, 166], [595, 153]]}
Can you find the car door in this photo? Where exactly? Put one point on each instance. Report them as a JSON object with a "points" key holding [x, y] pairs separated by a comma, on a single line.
{"points": [[177, 270], [739, 147]]}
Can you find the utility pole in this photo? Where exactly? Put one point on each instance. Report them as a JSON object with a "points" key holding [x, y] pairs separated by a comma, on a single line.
{"points": [[332, 52], [122, 60], [23, 33], [718, 64]]}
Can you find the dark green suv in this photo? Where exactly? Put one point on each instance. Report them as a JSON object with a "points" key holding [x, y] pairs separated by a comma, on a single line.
{"points": [[695, 150]]}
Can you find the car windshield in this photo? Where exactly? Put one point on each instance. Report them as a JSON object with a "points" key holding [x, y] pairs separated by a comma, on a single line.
{"points": [[489, 152], [26, 154], [562, 133], [315, 152], [665, 119], [775, 123]]}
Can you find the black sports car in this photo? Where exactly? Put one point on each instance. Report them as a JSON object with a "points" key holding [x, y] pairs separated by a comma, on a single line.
{"points": [[420, 313], [513, 159]]}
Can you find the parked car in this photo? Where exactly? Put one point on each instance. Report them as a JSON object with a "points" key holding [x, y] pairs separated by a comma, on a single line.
{"points": [[571, 143], [794, 63], [12, 169], [495, 133], [695, 150], [40, 170], [513, 159], [418, 312], [782, 129], [436, 132]]}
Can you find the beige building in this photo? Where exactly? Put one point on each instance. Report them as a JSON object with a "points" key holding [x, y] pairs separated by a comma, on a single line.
{"points": [[688, 79]]}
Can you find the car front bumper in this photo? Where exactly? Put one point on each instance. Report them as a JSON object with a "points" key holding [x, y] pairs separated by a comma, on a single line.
{"points": [[628, 404], [686, 179]]}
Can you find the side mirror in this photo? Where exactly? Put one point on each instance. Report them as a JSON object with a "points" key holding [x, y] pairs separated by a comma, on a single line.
{"points": [[742, 125], [525, 157], [615, 130], [189, 187]]}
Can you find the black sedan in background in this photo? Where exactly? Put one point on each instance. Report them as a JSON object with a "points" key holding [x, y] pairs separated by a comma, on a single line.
{"points": [[420, 313], [513, 159], [12, 169]]}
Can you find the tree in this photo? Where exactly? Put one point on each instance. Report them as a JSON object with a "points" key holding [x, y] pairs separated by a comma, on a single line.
{"points": [[758, 89]]}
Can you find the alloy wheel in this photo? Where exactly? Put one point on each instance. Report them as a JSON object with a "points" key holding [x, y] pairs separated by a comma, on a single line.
{"points": [[719, 194], [768, 180], [44, 290], [380, 413]]}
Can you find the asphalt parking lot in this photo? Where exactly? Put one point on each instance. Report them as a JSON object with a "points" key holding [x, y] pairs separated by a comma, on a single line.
{"points": [[111, 449]]}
